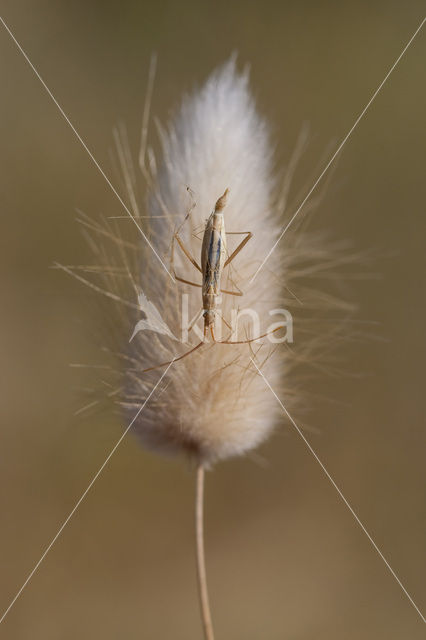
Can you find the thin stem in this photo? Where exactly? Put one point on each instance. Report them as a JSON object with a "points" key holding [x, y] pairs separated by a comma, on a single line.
{"points": [[201, 565]]}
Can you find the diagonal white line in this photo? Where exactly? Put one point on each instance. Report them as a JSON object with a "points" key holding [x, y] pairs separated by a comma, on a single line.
{"points": [[78, 503], [84, 145], [339, 148], [299, 431]]}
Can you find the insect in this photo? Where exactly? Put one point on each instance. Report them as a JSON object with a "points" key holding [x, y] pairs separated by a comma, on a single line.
{"points": [[214, 259]]}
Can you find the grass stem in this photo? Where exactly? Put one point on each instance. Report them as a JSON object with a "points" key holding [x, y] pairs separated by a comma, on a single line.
{"points": [[201, 564]]}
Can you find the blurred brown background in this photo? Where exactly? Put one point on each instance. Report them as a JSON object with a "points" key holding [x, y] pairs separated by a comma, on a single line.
{"points": [[285, 557]]}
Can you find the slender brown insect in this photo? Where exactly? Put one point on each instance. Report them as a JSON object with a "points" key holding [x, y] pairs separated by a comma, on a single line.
{"points": [[213, 262]]}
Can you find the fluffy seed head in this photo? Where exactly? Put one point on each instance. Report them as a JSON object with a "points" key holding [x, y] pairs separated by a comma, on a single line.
{"points": [[215, 155], [215, 403]]}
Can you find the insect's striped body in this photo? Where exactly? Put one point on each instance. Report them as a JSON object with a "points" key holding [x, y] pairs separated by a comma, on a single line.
{"points": [[213, 257]]}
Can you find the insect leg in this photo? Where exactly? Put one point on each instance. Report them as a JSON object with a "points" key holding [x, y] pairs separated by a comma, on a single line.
{"points": [[240, 246], [188, 255], [233, 293], [193, 284], [186, 252], [164, 364], [250, 339], [223, 319]]}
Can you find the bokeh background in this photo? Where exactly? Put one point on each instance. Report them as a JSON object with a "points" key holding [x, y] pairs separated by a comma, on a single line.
{"points": [[285, 557]]}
